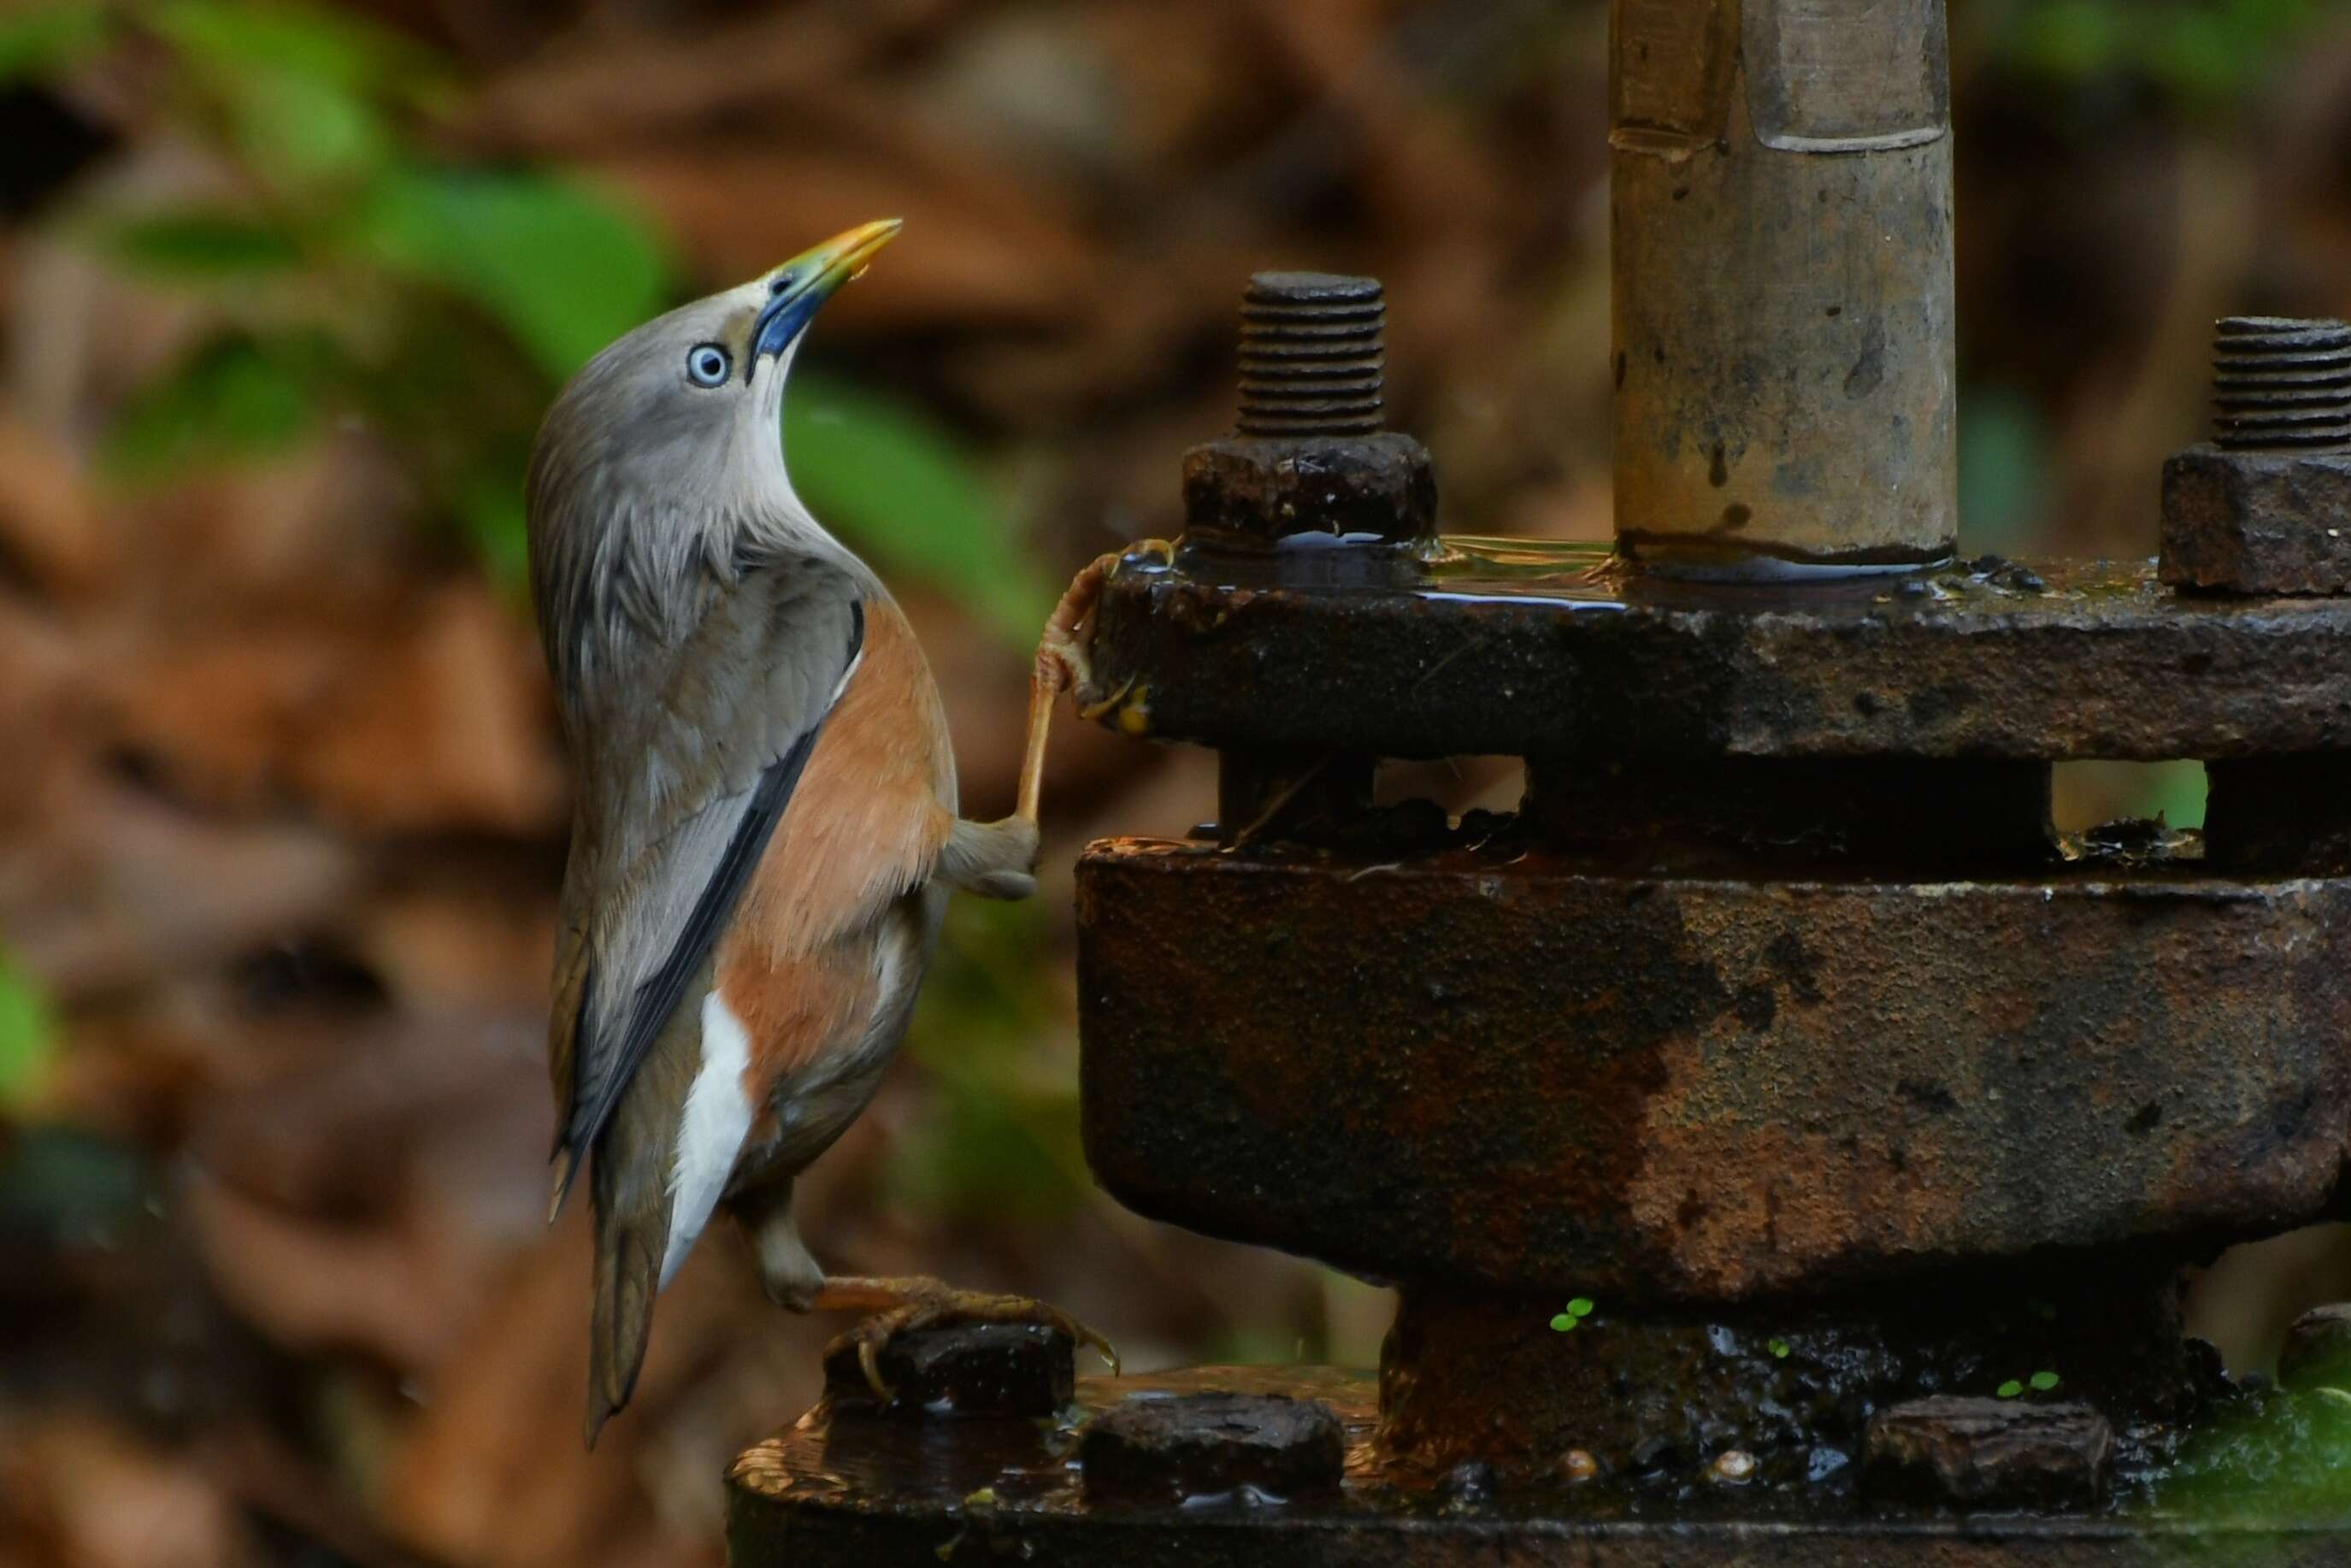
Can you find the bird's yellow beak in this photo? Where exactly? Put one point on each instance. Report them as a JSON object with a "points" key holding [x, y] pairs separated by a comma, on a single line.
{"points": [[844, 255], [796, 289]]}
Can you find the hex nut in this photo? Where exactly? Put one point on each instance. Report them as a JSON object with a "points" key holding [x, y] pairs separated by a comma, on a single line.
{"points": [[2317, 1350], [1269, 489], [1991, 1452], [1170, 1448], [2260, 522], [970, 1369]]}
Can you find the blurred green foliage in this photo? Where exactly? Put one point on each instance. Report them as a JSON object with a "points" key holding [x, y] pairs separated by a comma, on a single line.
{"points": [[356, 276], [2005, 468], [2202, 54], [29, 1037], [43, 39], [998, 1137], [917, 506]]}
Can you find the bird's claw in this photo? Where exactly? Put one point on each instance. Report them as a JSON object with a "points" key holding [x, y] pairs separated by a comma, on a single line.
{"points": [[1063, 664], [1094, 710]]}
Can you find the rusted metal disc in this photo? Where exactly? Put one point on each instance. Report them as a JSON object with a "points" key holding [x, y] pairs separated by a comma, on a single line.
{"points": [[1507, 1069]]}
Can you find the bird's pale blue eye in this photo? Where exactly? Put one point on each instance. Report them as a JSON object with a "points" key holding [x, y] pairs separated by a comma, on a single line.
{"points": [[707, 364]]}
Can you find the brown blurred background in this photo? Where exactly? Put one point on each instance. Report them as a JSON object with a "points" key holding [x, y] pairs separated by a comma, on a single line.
{"points": [[282, 293]]}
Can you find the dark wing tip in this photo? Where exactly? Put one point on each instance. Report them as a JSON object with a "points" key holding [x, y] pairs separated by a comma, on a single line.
{"points": [[621, 1325], [566, 1167]]}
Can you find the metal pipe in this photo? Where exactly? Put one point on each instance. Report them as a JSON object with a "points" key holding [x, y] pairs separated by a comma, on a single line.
{"points": [[1782, 264]]}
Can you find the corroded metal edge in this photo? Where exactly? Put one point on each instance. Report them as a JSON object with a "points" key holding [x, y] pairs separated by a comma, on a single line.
{"points": [[1509, 651]]}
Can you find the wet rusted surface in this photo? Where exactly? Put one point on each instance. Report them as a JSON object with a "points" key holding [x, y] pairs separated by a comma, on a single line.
{"points": [[2257, 522], [1781, 207], [1505, 1065], [1517, 1380], [1172, 1447], [1993, 1453], [863, 1493], [1524, 649], [1369, 486], [968, 1369]]}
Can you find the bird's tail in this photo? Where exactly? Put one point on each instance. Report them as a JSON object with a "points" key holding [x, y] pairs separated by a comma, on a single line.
{"points": [[632, 1234]]}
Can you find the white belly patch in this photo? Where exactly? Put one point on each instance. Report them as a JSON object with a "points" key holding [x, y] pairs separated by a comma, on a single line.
{"points": [[710, 1130]]}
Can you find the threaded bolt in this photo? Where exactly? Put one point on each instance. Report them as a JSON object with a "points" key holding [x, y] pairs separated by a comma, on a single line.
{"points": [[1312, 355], [2282, 384]]}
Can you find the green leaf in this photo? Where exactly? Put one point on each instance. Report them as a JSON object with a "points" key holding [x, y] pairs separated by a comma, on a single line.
{"points": [[1581, 1307], [42, 41], [237, 398], [197, 245], [563, 269], [28, 1036], [2045, 1381], [300, 130], [1565, 1322], [305, 92], [2009, 1389], [873, 469], [1780, 1349], [335, 49]]}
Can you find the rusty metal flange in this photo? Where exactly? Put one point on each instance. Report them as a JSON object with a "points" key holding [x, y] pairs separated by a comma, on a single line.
{"points": [[1507, 1068], [1522, 648], [874, 1492]]}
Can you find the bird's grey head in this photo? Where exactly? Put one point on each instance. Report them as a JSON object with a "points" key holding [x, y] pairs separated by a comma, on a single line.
{"points": [[664, 454]]}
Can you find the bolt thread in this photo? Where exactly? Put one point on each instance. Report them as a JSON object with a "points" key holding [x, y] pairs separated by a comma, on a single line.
{"points": [[2280, 384], [1312, 355]]}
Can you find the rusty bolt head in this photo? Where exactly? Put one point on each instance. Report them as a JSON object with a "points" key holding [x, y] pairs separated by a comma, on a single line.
{"points": [[1991, 1452], [2317, 1350], [2265, 507], [2257, 522], [974, 1369], [1267, 489], [1173, 1447]]}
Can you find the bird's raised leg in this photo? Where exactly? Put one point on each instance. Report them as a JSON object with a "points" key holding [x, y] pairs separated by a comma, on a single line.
{"points": [[995, 860], [900, 1306], [1063, 666]]}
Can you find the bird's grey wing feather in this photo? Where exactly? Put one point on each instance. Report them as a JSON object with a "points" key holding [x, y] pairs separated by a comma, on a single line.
{"points": [[682, 789]]}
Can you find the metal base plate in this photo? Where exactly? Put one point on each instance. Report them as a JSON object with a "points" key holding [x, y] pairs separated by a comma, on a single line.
{"points": [[880, 1492]]}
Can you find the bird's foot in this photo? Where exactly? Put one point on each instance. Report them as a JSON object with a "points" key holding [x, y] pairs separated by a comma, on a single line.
{"points": [[1065, 663], [1063, 660], [902, 1306]]}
